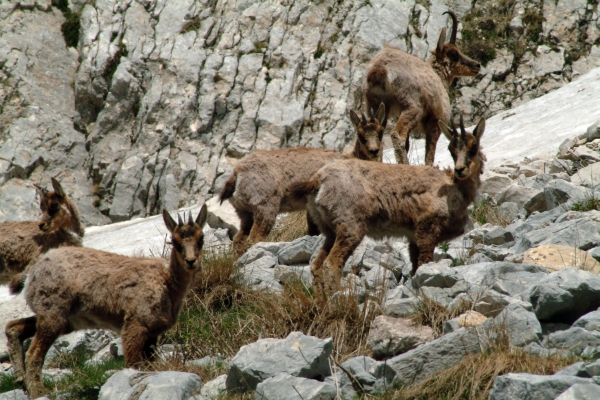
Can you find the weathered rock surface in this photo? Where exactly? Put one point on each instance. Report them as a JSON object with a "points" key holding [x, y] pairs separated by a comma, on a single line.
{"points": [[288, 387], [556, 257], [169, 385], [522, 386], [390, 336], [297, 355]]}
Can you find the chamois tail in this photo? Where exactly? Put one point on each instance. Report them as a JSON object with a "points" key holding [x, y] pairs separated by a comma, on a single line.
{"points": [[17, 283], [300, 190], [377, 76], [228, 188]]}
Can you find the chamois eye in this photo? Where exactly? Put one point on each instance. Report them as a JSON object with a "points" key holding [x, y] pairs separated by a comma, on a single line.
{"points": [[453, 55], [53, 209]]}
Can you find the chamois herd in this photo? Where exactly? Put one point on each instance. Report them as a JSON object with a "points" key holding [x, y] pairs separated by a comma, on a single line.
{"points": [[346, 196]]}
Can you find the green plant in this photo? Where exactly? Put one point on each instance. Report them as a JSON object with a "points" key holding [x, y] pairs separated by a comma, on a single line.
{"points": [[192, 25], [445, 246], [260, 46], [70, 28], [8, 382], [486, 212], [589, 203]]}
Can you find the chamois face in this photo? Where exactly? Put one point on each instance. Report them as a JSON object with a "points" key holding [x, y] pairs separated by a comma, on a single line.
{"points": [[370, 133], [450, 57], [55, 214], [464, 148], [187, 238]]}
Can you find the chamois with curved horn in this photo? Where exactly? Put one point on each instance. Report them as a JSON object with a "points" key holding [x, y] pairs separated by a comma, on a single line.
{"points": [[349, 199], [415, 92]]}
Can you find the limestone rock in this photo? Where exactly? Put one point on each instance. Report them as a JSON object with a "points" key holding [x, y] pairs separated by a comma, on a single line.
{"points": [[556, 257], [150, 385], [390, 336], [288, 387], [518, 386]]}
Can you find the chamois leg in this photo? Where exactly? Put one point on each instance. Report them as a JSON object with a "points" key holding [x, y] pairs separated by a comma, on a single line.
{"points": [[344, 245], [134, 336], [48, 329], [149, 349], [405, 123], [17, 331], [313, 229], [264, 220], [316, 268], [413, 251], [433, 132], [240, 240]]}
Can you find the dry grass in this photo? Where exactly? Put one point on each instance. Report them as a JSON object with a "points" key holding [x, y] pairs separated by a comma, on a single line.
{"points": [[431, 313], [474, 376], [289, 227], [222, 314], [485, 212]]}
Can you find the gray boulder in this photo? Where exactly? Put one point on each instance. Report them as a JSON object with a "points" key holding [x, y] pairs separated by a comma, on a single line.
{"points": [[291, 273], [16, 394], [498, 236], [558, 192], [519, 324], [288, 387], [520, 195], [527, 386], [493, 252], [494, 184], [298, 251], [379, 278], [297, 355], [169, 385], [589, 321], [389, 336], [435, 356], [260, 274], [575, 340], [86, 343], [577, 369], [400, 307], [504, 277], [565, 295], [509, 210], [582, 233], [535, 221], [436, 275], [581, 391], [367, 375]]}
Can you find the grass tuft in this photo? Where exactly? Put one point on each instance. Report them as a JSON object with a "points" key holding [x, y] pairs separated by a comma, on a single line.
{"points": [[588, 204], [485, 212], [289, 227], [8, 382], [433, 314]]}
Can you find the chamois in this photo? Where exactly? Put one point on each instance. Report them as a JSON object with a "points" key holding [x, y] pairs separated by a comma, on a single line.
{"points": [[74, 288], [349, 199], [21, 243], [257, 187], [415, 92]]}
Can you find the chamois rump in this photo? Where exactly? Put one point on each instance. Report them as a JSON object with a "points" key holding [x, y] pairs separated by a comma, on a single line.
{"points": [[21, 243], [257, 188], [415, 92], [74, 288], [349, 199]]}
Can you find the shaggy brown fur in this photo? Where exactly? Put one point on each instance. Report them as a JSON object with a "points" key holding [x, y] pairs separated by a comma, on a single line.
{"points": [[349, 199], [21, 243], [416, 92], [75, 288], [257, 187]]}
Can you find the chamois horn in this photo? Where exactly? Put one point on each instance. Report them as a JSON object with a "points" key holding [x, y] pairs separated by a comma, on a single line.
{"points": [[454, 25]]}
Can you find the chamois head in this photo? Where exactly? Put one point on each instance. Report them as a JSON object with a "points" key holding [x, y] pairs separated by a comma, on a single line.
{"points": [[55, 214], [370, 133], [464, 148], [453, 62], [187, 238]]}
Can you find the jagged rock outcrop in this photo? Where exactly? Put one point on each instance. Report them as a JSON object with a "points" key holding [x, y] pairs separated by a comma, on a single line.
{"points": [[140, 105]]}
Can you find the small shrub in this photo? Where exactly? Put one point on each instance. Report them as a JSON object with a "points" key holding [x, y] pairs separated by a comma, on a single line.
{"points": [[260, 46], [192, 25], [432, 314], [113, 63], [485, 212], [70, 28], [589, 203], [289, 227]]}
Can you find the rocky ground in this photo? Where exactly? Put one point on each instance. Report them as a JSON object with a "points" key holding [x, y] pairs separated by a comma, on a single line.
{"points": [[531, 281], [138, 105]]}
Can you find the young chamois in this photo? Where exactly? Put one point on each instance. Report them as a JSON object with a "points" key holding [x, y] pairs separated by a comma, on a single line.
{"points": [[21, 243], [257, 188], [415, 92], [74, 288], [349, 199]]}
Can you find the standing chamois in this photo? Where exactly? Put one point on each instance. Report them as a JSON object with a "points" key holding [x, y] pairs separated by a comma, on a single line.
{"points": [[415, 92], [75, 288], [349, 199], [257, 188], [21, 243]]}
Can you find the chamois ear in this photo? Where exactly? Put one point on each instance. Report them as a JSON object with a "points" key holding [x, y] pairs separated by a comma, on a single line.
{"points": [[478, 132], [57, 188], [202, 216], [445, 129], [381, 114], [169, 221], [354, 118], [41, 190], [441, 41]]}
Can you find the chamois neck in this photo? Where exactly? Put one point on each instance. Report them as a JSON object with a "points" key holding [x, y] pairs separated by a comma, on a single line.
{"points": [[76, 225], [179, 281], [470, 186], [442, 68]]}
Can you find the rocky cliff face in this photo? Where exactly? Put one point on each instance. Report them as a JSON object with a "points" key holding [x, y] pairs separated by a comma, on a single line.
{"points": [[137, 105]]}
